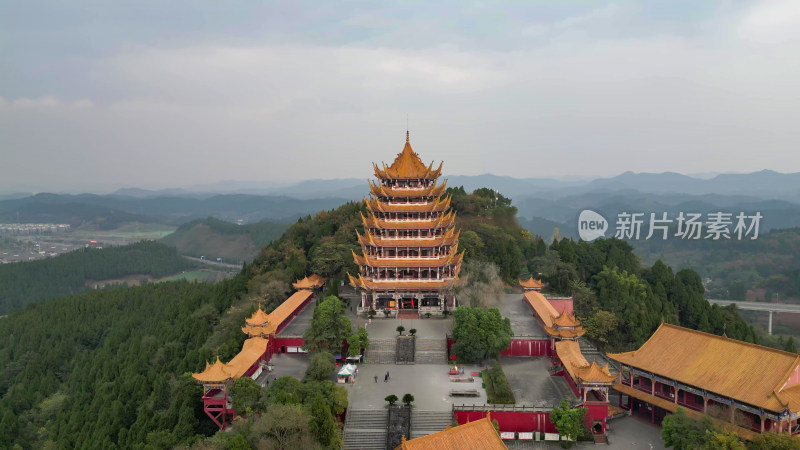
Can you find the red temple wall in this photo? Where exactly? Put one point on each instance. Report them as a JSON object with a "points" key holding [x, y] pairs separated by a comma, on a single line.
{"points": [[512, 421], [528, 347], [277, 343]]}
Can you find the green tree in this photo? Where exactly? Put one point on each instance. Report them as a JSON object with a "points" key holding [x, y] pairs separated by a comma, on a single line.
{"points": [[329, 327], [408, 399], [245, 395], [684, 433], [599, 326], [283, 427], [285, 390], [480, 334], [774, 441], [239, 443], [330, 257], [322, 425], [321, 367], [392, 399], [400, 329], [717, 440], [790, 345], [568, 421]]}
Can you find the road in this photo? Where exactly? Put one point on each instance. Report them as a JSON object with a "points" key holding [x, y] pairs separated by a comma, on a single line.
{"points": [[759, 306], [218, 265]]}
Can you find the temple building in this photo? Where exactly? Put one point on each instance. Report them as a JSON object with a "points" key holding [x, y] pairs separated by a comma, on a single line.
{"points": [[557, 325], [531, 284], [743, 387], [410, 252], [261, 329]]}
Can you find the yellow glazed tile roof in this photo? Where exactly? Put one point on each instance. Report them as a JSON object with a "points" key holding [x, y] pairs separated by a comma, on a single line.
{"points": [[749, 373], [408, 165], [531, 283], [215, 373], [477, 435], [543, 308], [580, 370], [312, 281]]}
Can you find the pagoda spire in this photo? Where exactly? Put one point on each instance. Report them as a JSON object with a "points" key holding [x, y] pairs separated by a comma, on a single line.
{"points": [[408, 139]]}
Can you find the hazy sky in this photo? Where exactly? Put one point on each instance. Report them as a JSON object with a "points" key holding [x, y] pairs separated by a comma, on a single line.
{"points": [[98, 93]]}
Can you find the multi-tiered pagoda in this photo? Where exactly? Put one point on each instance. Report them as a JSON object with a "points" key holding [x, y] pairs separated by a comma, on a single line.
{"points": [[410, 247]]}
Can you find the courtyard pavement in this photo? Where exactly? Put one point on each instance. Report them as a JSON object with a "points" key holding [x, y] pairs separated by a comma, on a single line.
{"points": [[283, 364], [300, 323], [523, 322], [532, 384], [428, 383]]}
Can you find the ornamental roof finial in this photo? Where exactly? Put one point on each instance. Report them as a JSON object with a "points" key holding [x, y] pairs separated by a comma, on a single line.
{"points": [[407, 137]]}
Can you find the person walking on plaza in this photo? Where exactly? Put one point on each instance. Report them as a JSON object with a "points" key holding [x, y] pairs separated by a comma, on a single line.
{"points": [[376, 378]]}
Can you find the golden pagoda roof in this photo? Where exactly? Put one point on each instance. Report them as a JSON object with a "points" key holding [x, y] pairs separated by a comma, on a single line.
{"points": [[565, 333], [312, 281], [578, 368], [434, 190], [219, 372], [400, 285], [445, 221], [750, 373], [407, 165], [453, 258], [566, 320], [437, 205], [450, 237], [258, 318], [531, 283], [477, 435]]}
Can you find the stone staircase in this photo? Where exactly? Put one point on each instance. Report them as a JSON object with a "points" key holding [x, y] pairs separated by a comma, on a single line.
{"points": [[425, 422], [381, 351], [408, 314], [365, 429], [431, 351]]}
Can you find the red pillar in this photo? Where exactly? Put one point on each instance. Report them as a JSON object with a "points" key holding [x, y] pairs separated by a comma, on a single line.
{"points": [[762, 423]]}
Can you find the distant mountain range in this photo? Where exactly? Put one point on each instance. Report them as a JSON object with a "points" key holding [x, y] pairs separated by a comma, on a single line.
{"points": [[766, 184], [542, 202]]}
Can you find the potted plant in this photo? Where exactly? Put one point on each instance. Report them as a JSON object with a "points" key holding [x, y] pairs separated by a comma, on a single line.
{"points": [[392, 399], [408, 399], [371, 313], [387, 312], [412, 331], [400, 329]]}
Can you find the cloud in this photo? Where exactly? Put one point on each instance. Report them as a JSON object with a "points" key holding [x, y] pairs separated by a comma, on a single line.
{"points": [[590, 91], [771, 22], [44, 102]]}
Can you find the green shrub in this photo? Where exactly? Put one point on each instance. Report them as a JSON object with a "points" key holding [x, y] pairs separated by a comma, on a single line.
{"points": [[498, 390]]}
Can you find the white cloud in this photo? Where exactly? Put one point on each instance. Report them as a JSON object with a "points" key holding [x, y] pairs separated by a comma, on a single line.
{"points": [[772, 21]]}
